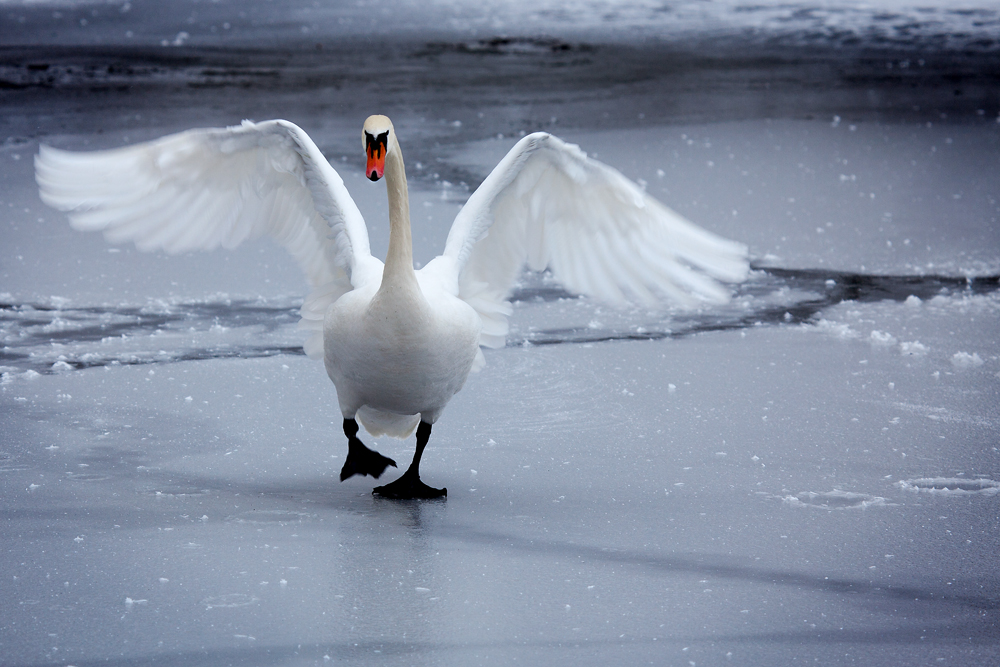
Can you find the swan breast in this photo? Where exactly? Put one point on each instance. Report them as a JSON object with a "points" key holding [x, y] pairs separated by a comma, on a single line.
{"points": [[400, 355]]}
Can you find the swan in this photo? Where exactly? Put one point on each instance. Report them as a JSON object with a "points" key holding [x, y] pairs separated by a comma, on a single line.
{"points": [[397, 343]]}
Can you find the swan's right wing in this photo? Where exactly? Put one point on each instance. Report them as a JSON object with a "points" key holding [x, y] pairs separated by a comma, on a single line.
{"points": [[201, 189], [548, 205]]}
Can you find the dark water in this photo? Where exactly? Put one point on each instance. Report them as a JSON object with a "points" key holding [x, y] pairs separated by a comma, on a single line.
{"points": [[468, 90]]}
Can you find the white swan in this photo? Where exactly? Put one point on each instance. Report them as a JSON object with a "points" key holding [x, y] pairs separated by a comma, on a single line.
{"points": [[397, 343]]}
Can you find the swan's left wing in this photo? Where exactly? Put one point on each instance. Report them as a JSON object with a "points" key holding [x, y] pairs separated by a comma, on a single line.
{"points": [[548, 205]]}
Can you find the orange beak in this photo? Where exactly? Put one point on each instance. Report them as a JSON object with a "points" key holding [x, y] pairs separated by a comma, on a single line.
{"points": [[376, 160]]}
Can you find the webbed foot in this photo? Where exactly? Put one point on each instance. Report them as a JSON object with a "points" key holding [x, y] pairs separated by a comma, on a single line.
{"points": [[408, 487], [363, 461]]}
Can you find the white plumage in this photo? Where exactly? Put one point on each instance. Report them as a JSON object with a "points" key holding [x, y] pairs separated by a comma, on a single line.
{"points": [[397, 343]]}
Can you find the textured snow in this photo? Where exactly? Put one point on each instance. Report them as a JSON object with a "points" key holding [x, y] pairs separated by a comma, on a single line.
{"points": [[966, 360], [834, 500], [951, 486]]}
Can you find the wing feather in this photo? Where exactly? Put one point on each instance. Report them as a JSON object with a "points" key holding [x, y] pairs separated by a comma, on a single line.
{"points": [[548, 206], [201, 189]]}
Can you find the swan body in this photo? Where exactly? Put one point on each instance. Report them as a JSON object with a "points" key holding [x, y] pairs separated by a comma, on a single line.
{"points": [[397, 343], [400, 351]]}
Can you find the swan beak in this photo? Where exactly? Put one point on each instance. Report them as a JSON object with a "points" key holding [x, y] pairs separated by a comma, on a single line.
{"points": [[376, 148], [376, 164]]}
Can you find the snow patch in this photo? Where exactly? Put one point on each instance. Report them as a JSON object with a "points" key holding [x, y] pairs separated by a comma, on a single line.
{"points": [[913, 349], [834, 500], [178, 492], [966, 360], [951, 486], [230, 600], [882, 339], [271, 516], [837, 329], [941, 414]]}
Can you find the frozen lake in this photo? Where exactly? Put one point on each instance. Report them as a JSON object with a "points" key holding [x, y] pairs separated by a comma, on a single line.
{"points": [[808, 475]]}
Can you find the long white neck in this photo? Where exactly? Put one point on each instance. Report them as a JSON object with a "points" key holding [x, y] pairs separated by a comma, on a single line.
{"points": [[399, 260]]}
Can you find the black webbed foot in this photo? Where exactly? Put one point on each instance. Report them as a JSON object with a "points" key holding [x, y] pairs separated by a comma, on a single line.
{"points": [[363, 461], [408, 487]]}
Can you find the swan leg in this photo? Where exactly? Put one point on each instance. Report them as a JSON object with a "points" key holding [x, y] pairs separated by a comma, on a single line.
{"points": [[409, 485], [360, 459]]}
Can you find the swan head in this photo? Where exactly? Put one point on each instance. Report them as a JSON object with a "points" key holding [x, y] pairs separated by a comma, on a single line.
{"points": [[375, 137]]}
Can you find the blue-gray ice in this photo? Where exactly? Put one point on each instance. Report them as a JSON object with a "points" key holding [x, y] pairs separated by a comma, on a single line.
{"points": [[808, 475]]}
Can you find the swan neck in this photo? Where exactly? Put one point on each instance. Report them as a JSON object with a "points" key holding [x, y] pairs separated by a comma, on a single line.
{"points": [[399, 259]]}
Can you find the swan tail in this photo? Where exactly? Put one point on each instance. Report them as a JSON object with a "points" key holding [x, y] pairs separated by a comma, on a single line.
{"points": [[379, 422]]}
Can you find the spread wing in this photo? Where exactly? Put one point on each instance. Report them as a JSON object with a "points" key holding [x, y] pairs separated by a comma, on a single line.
{"points": [[201, 189], [547, 205]]}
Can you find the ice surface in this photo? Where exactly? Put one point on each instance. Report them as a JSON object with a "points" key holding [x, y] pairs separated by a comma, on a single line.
{"points": [[806, 475]]}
